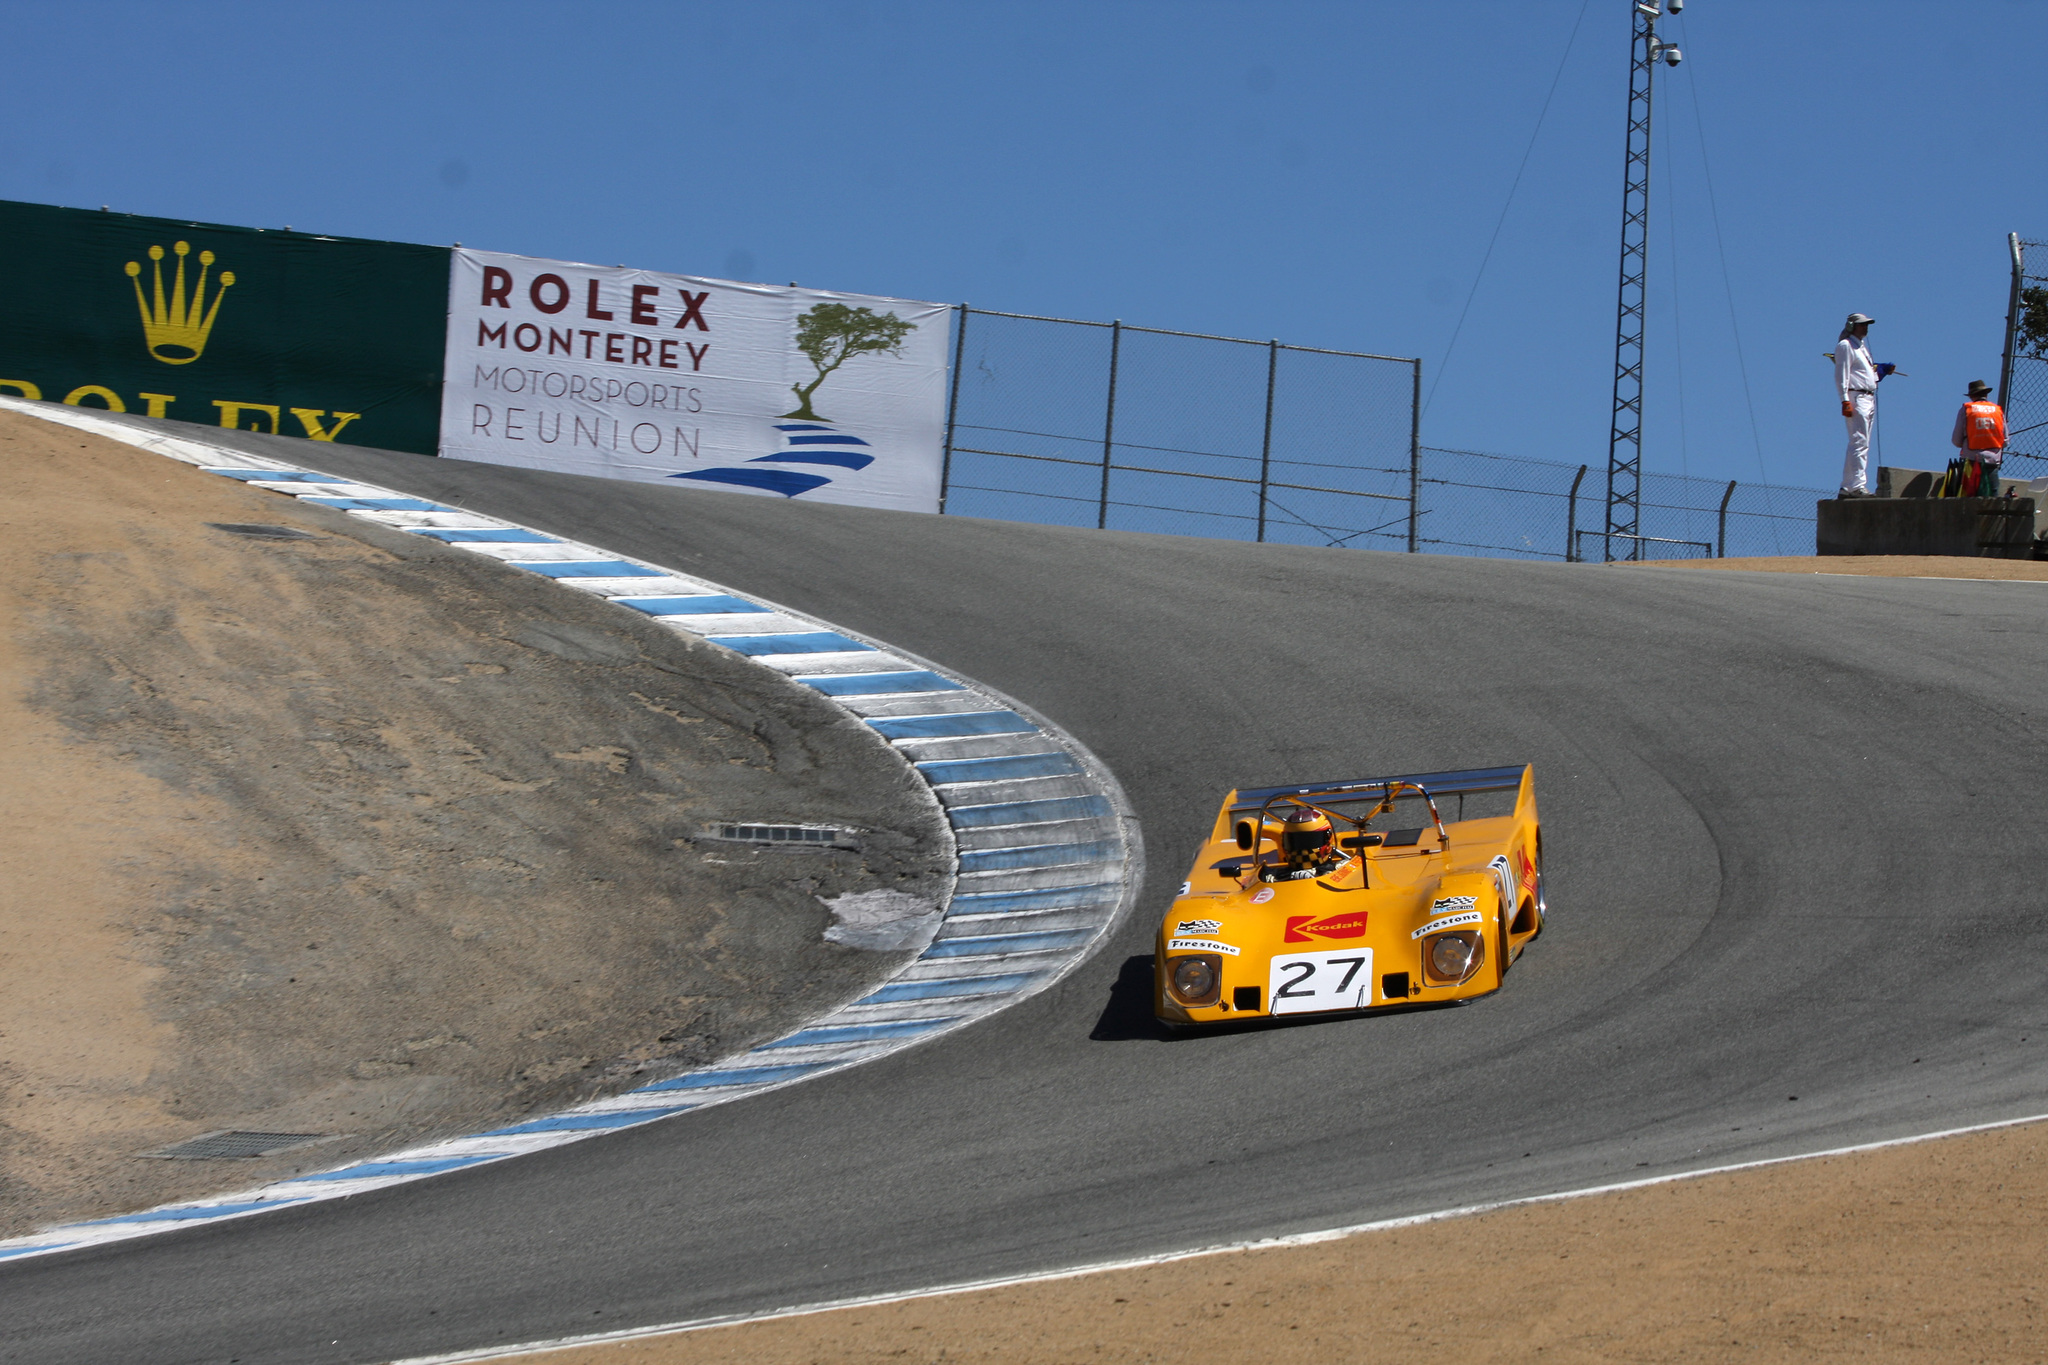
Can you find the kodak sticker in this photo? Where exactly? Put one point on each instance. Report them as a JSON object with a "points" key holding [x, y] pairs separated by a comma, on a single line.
{"points": [[1307, 928]]}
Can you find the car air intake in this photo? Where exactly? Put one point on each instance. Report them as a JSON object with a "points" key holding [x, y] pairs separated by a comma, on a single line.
{"points": [[1245, 998], [1394, 986]]}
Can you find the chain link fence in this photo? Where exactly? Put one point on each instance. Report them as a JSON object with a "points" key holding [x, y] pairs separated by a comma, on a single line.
{"points": [[1473, 502], [2025, 395], [1075, 423], [1141, 429]]}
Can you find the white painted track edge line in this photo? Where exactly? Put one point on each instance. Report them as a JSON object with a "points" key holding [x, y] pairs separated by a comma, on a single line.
{"points": [[1297, 1239]]}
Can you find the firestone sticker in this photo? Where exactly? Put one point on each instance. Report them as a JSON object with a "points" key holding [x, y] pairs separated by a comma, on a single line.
{"points": [[1448, 922], [1200, 945]]}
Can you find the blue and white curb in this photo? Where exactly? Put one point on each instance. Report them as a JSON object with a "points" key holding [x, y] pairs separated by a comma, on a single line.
{"points": [[1048, 853]]}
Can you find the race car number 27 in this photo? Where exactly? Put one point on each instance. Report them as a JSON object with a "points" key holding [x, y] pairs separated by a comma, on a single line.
{"points": [[1305, 982]]}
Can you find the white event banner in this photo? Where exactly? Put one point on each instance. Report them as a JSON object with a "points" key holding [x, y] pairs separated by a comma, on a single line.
{"points": [[631, 374]]}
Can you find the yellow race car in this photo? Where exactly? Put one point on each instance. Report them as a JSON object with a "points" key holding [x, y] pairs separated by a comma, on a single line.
{"points": [[1297, 904]]}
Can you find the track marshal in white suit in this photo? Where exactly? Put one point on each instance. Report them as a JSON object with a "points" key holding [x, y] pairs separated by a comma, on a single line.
{"points": [[1856, 378]]}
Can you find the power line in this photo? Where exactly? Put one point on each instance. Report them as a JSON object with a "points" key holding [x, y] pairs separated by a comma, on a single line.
{"points": [[1677, 328], [1699, 127], [1473, 293]]}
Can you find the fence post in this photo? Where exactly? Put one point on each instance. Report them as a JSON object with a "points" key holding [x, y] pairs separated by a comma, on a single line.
{"points": [[1722, 538], [952, 411], [1571, 519], [1116, 340], [1266, 449], [1415, 458], [2012, 321]]}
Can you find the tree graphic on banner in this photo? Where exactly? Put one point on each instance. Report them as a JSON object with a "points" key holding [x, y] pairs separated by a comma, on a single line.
{"points": [[831, 334]]}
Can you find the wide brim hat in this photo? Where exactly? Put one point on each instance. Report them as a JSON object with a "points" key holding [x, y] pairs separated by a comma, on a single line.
{"points": [[1978, 388]]}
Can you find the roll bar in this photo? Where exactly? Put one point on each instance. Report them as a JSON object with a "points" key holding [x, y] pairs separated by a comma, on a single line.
{"points": [[1393, 787], [1442, 784]]}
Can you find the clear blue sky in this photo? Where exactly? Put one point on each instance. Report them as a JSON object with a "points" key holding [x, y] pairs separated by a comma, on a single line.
{"points": [[1329, 174]]}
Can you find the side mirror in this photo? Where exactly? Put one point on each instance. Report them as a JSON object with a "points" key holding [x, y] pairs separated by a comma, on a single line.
{"points": [[1244, 835]]}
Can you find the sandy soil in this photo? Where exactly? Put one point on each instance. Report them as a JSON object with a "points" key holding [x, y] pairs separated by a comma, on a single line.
{"points": [[1934, 1252], [361, 835], [1874, 566]]}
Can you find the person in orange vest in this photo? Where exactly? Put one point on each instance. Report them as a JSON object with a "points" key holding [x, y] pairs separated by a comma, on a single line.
{"points": [[1980, 435]]}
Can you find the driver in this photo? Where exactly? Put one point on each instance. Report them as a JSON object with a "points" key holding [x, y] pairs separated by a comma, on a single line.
{"points": [[1305, 838]]}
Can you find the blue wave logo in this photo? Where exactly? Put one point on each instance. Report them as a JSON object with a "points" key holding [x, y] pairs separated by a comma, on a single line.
{"points": [[805, 443]]}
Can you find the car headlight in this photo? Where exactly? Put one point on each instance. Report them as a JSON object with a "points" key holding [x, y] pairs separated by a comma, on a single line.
{"points": [[1453, 957], [1196, 979]]}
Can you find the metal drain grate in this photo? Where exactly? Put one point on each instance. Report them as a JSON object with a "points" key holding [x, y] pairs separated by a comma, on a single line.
{"points": [[215, 1146], [784, 836], [260, 531]]}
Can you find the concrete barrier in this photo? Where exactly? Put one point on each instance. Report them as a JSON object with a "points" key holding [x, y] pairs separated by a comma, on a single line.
{"points": [[1995, 528], [1896, 482]]}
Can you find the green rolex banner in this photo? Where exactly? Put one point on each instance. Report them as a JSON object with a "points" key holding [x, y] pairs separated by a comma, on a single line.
{"points": [[332, 338]]}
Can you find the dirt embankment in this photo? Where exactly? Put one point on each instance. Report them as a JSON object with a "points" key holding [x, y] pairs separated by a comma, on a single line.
{"points": [[360, 834], [1934, 1252], [1872, 566]]}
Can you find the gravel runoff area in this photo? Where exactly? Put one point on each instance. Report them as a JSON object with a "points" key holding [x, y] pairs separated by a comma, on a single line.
{"points": [[352, 833], [1932, 1251]]}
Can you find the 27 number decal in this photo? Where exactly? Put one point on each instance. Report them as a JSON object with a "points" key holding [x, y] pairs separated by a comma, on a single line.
{"points": [[1302, 983]]}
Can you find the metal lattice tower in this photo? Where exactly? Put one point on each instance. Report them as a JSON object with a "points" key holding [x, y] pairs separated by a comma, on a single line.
{"points": [[1625, 436]]}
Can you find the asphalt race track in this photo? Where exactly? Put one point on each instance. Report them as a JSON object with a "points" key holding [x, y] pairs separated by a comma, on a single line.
{"points": [[1791, 824]]}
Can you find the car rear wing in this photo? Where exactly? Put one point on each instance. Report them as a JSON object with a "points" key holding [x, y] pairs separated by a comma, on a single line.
{"points": [[1513, 779]]}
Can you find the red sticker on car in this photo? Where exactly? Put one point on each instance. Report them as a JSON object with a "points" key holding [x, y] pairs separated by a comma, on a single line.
{"points": [[1301, 927]]}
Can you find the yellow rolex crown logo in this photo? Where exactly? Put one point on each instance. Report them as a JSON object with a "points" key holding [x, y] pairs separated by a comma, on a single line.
{"points": [[176, 330]]}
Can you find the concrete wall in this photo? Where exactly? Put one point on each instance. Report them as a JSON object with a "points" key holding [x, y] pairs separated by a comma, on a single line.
{"points": [[1992, 527]]}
